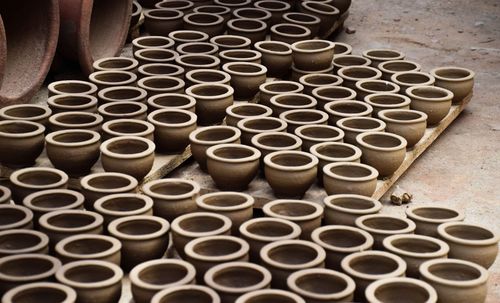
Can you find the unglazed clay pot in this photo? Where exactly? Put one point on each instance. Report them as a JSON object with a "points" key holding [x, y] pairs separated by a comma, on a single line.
{"points": [[127, 127], [379, 55], [245, 78], [233, 4], [342, 48], [122, 93], [172, 197], [284, 257], [160, 69], [270, 295], [312, 55], [252, 29], [458, 80], [406, 80], [75, 120], [45, 201], [149, 278], [456, 280], [470, 242], [143, 238], [182, 5], [349, 178], [203, 76], [380, 226], [433, 101], [203, 48], [211, 24], [344, 209], [310, 21], [297, 72], [179, 294], [391, 67], [162, 21], [32, 179], [340, 61], [340, 241], [89, 247], [72, 87], [429, 217], [22, 142], [391, 290], [415, 249], [232, 166], [71, 103], [276, 57], [206, 252], [277, 9], [23, 241], [172, 128], [328, 14], [366, 87], [233, 279], [116, 63], [381, 101], [269, 142], [353, 126], [116, 206], [15, 217], [346, 109], [299, 117], [274, 88], [212, 99], [319, 285], [186, 36], [196, 225], [368, 266], [225, 42], [26, 112], [97, 185], [291, 101], [32, 292], [252, 126], [252, 13], [328, 152], [123, 110], [197, 61], [242, 55], [312, 81], [93, 280], [130, 155], [327, 94], [289, 33], [155, 85], [151, 42], [21, 269], [409, 124], [290, 173], [110, 78], [355, 73], [384, 151], [238, 112], [172, 101], [5, 195], [155, 55]]}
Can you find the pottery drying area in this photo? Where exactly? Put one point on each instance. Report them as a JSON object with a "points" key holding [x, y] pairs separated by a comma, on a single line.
{"points": [[249, 151]]}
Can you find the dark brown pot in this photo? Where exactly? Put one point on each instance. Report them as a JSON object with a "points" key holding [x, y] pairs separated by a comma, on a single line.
{"points": [[312, 55], [75, 120], [116, 63], [162, 21], [155, 55], [122, 93], [242, 55], [185, 36], [207, 7], [312, 81], [225, 42], [201, 76], [15, 217], [270, 295], [193, 293], [172, 129], [112, 78], [289, 33], [274, 88], [123, 110], [237, 112], [255, 125], [314, 134], [71, 87], [121, 205], [89, 247], [328, 15], [310, 21], [276, 56], [253, 29], [211, 24], [277, 9], [182, 5], [198, 61], [245, 78], [172, 101], [26, 112], [97, 185], [252, 13], [29, 180], [127, 127], [203, 48], [70, 103], [32, 292], [211, 101], [45, 201], [5, 195], [21, 141], [155, 85]]}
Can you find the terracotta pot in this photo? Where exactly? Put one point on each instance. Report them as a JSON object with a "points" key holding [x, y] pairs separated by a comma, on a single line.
{"points": [[225, 42], [30, 43], [23, 241], [253, 29], [32, 292], [237, 112], [129, 155], [318, 285], [433, 101], [379, 55], [299, 117], [198, 48], [203, 76], [97, 185], [26, 112], [202, 138], [179, 294], [252, 13], [276, 57], [198, 61], [196, 225], [32, 179], [122, 93], [353, 126], [45, 201], [328, 94], [340, 61], [245, 78], [147, 42], [89, 247], [211, 101], [415, 249], [327, 13], [155, 55], [312, 22], [389, 68], [274, 88], [111, 78], [340, 241], [382, 101], [366, 87], [22, 142], [172, 128], [355, 73], [429, 217], [75, 120], [148, 278], [85, 44], [312, 81], [71, 103], [388, 290], [143, 238], [13, 270], [123, 110], [5, 195], [409, 124], [406, 80], [344, 209], [71, 87], [160, 69], [242, 55], [458, 80], [284, 257], [290, 173], [289, 33], [269, 295], [470, 242], [93, 280], [207, 252], [368, 266], [349, 178], [116, 206], [172, 101], [186, 36], [181, 5], [210, 24], [297, 73], [162, 21], [453, 278], [116, 64], [314, 134], [127, 127], [269, 142], [235, 205], [306, 214], [256, 125], [172, 197], [312, 55], [291, 101], [381, 226], [223, 11]]}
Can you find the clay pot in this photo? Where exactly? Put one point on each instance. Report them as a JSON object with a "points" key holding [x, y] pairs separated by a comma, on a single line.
{"points": [[312, 81], [197, 61], [245, 78], [355, 73], [340, 61], [291, 101], [32, 179], [160, 69], [23, 241], [155, 85], [276, 57], [211, 101], [341, 48], [306, 214], [71, 87], [391, 289], [314, 134], [270, 295], [155, 55], [93, 280], [210, 24], [32, 292], [198, 48], [149, 278], [340, 241], [179, 294], [45, 201], [203, 76], [75, 120], [235, 205], [274, 88], [455, 279], [379, 55], [381, 101], [26, 112], [344, 209], [172, 128], [290, 173], [349, 178], [17, 270], [310, 21], [207, 252], [89, 247], [429, 217], [255, 30], [151, 42], [242, 55], [327, 13], [284, 257], [237, 112], [186, 36], [269, 142], [406, 80], [21, 141], [252, 13], [252, 126], [172, 197], [130, 155], [116, 64], [233, 4], [289, 33], [409, 124], [431, 100], [381, 226], [72, 103], [297, 73], [366, 87], [299, 117], [122, 93], [116, 206], [312, 55], [182, 5], [329, 152], [172, 101], [27, 48], [110, 78], [368, 266], [277, 9], [97, 185], [328, 94], [391, 67], [470, 242], [5, 195], [143, 238], [162, 21], [415, 249], [225, 42], [353, 126], [73, 151], [123, 110], [318, 285], [127, 127], [458, 80], [223, 11]]}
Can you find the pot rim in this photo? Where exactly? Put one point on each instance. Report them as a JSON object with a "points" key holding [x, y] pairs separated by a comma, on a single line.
{"points": [[241, 252], [313, 161], [294, 234], [316, 93], [295, 276], [181, 51], [40, 129], [262, 26], [329, 203], [28, 200], [382, 67], [130, 81], [264, 283], [228, 93], [214, 297], [367, 245], [426, 273], [138, 282], [52, 87], [224, 9], [56, 264], [141, 109], [395, 87], [227, 68], [5, 194], [276, 30], [286, 17], [92, 101], [429, 82], [141, 69], [441, 252], [133, 183], [173, 55], [44, 241], [226, 224], [303, 80], [323, 119], [422, 118], [106, 127], [51, 138], [116, 278], [263, 87], [241, 125], [434, 73], [266, 17], [152, 118], [268, 291], [137, 42], [398, 54], [187, 6], [189, 76], [150, 149], [60, 247], [319, 258], [224, 54], [341, 73], [180, 84], [68, 291], [6, 116], [143, 94], [357, 152], [191, 101], [406, 100], [286, 5], [380, 128], [318, 210], [14, 177], [162, 231], [258, 46], [147, 189], [306, 5], [259, 145], [398, 272], [43, 221], [147, 14], [348, 48], [410, 228], [232, 4], [296, 46], [172, 35], [413, 216], [372, 176], [372, 288], [254, 157], [201, 201], [229, 110], [215, 61], [339, 66], [411, 94], [441, 229], [97, 120], [360, 137], [233, 138], [246, 42], [187, 19], [275, 101], [99, 208]]}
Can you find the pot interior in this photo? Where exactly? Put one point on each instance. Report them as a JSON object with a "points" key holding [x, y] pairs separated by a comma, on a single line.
{"points": [[291, 209], [209, 90], [217, 247], [161, 83], [392, 292], [469, 232], [197, 60], [233, 152], [291, 160], [413, 78], [18, 241], [201, 224], [39, 178], [400, 66], [452, 73], [240, 54], [165, 14], [320, 80], [264, 124], [350, 60], [351, 171], [89, 273], [112, 77], [335, 93], [171, 117], [187, 295], [293, 100], [282, 87], [292, 29], [33, 295], [238, 277], [339, 48], [454, 271], [17, 128], [348, 108], [108, 182], [122, 94], [244, 68], [139, 227], [123, 204], [342, 238], [115, 63], [208, 76], [172, 101], [127, 146], [225, 200], [386, 54], [155, 274], [415, 245], [247, 24], [377, 86], [73, 137], [274, 47], [383, 141], [230, 41], [293, 254], [429, 92], [373, 264], [161, 69], [312, 45], [157, 54], [248, 110], [72, 100], [202, 18], [172, 188], [54, 200], [71, 220], [251, 13], [25, 112], [436, 213], [403, 115], [72, 87], [276, 140], [199, 48], [26, 266], [10, 216], [362, 123], [215, 134], [270, 229], [304, 18], [353, 203], [336, 151], [303, 116], [320, 283], [385, 223], [76, 119], [128, 127], [188, 36], [359, 72], [88, 246], [387, 99], [151, 42]]}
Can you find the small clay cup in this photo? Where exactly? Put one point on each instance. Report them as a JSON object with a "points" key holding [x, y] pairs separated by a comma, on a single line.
{"points": [[270, 295], [97, 185], [160, 69], [274, 88], [162, 21], [254, 30], [23, 241], [390, 290], [429, 217], [340, 241], [355, 73], [431, 100], [172, 129], [179, 294], [291, 101], [116, 64], [353, 126], [204, 76], [197, 61], [49, 200], [299, 117], [171, 101], [89, 247], [155, 85], [328, 14], [5, 195], [123, 110], [211, 24], [310, 21], [116, 206], [312, 81], [349, 178], [380, 226], [315, 134], [212, 99], [379, 55], [240, 55], [252, 126], [276, 57], [22, 142], [312, 55], [122, 93], [458, 80], [75, 120], [238, 112], [172, 197], [389, 68], [155, 55], [32, 179], [225, 42], [71, 87], [246, 78], [366, 87], [382, 101], [290, 33], [186, 36], [127, 127], [340, 61], [409, 124], [344, 209], [71, 103], [151, 42], [330, 93], [203, 48], [112, 78], [143, 238], [26, 112], [32, 292], [406, 80], [269, 142]]}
